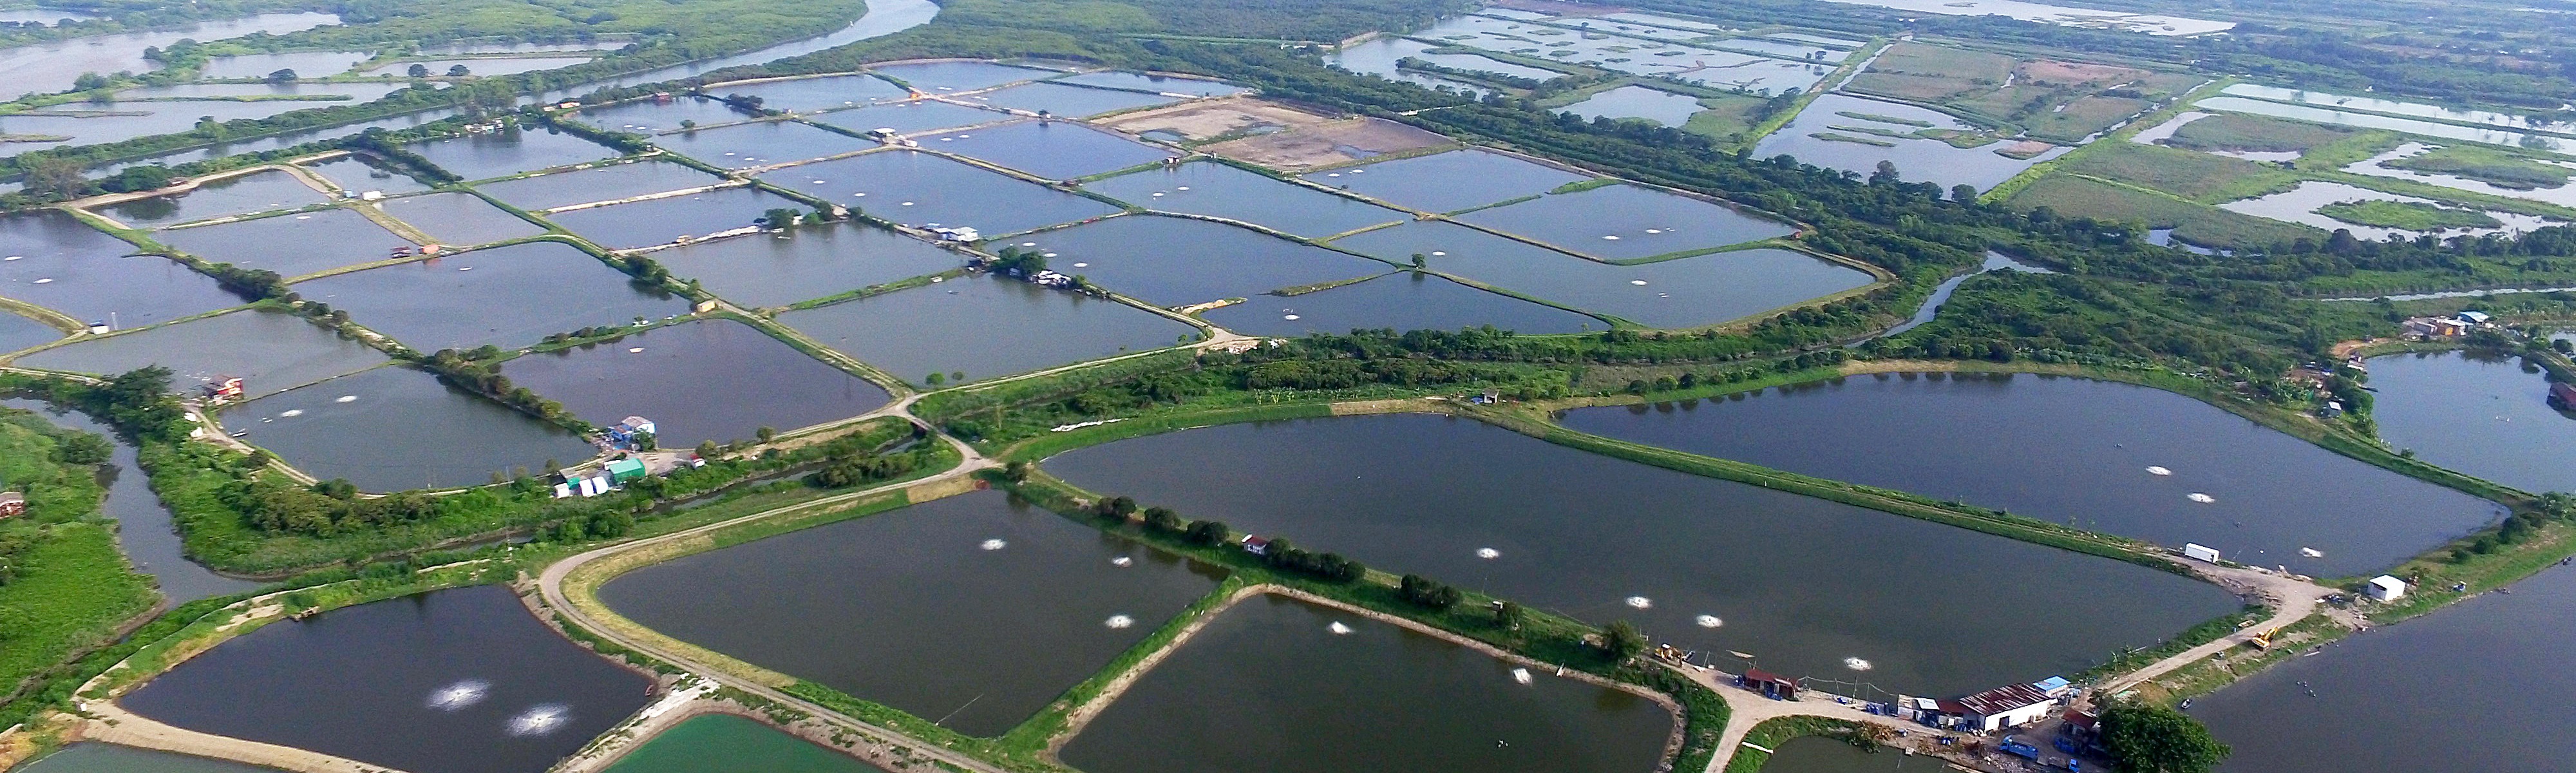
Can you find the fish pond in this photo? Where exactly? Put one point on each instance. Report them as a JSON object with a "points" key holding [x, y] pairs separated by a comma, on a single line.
{"points": [[1448, 182], [1218, 190], [603, 183], [760, 143], [2110, 457], [459, 218], [660, 221], [1916, 159], [395, 428], [505, 296], [724, 743], [1819, 754], [50, 259], [713, 379], [2394, 699], [1160, 84], [983, 327], [357, 173], [1276, 684], [291, 245], [1398, 301], [805, 95], [1663, 107], [1627, 222], [2483, 414], [451, 681], [145, 531], [936, 77], [909, 117], [804, 263], [923, 189], [1677, 293], [94, 757], [509, 152], [1814, 588], [18, 332], [1172, 261], [255, 192], [1048, 150], [877, 606], [1057, 99], [652, 117], [271, 351]]}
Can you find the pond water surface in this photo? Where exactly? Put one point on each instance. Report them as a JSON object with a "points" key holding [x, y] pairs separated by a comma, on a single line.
{"points": [[291, 245], [1400, 301], [459, 218], [506, 296], [1661, 107], [395, 428], [1276, 684], [984, 327], [2477, 686], [921, 189], [1817, 754], [876, 607], [1814, 588], [937, 77], [652, 117], [509, 152], [1068, 101], [484, 66], [356, 173], [451, 681], [2061, 449], [18, 332], [605, 183], [1159, 84], [50, 259], [713, 379], [660, 221], [49, 67], [1626, 222], [271, 351], [94, 757], [909, 117], [306, 64], [1048, 150], [805, 95], [809, 262], [1171, 261], [144, 527], [1680, 293], [1448, 182], [1218, 190], [2479, 414], [254, 192], [1917, 160], [759, 143], [724, 743]]}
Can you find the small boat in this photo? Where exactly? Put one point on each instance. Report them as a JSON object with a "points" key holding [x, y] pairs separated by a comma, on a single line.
{"points": [[239, 433]]}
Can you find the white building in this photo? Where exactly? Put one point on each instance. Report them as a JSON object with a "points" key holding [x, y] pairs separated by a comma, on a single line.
{"points": [[2385, 588], [2002, 707], [2194, 550]]}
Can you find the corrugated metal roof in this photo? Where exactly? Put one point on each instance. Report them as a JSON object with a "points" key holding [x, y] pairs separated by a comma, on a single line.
{"points": [[2003, 699]]}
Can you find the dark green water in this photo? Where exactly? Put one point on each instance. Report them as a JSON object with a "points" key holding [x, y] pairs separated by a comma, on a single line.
{"points": [[713, 379], [95, 757], [724, 743], [1448, 182], [1801, 583], [403, 430], [255, 192], [922, 189], [606, 183], [972, 611], [2066, 448], [759, 144], [451, 681], [812, 261], [1688, 292], [1170, 261], [1217, 190], [1626, 222], [984, 327], [272, 351], [291, 245], [1050, 151], [460, 218], [51, 260], [1273, 686], [144, 528], [507, 296], [1813, 754]]}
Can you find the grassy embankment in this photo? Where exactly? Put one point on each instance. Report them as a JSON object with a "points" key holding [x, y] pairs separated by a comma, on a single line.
{"points": [[1771, 733], [64, 586]]}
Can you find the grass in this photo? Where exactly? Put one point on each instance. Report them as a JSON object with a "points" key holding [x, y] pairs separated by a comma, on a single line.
{"points": [[1927, 73], [1723, 117], [2199, 177], [2241, 132], [2074, 196], [67, 587], [2407, 215], [2083, 117], [1884, 119], [2494, 166], [1832, 137]]}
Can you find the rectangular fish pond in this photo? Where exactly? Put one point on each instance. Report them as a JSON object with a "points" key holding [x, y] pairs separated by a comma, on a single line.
{"points": [[909, 117], [50, 259], [713, 379], [254, 192], [804, 263], [660, 221], [395, 428], [1448, 182], [923, 189], [608, 182], [1399, 301], [271, 351], [459, 218], [1048, 150], [292, 245], [1170, 261], [806, 95], [761, 143], [983, 327], [508, 152], [1218, 190], [1063, 101], [1678, 293], [505, 296], [1627, 222]]}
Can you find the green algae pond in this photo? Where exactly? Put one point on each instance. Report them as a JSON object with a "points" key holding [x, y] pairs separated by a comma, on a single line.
{"points": [[94, 757], [724, 743]]}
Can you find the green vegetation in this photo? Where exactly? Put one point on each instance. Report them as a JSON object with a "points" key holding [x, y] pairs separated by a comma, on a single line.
{"points": [[2407, 215], [1832, 137], [2493, 166], [2144, 738], [2200, 177], [1771, 733], [2239, 132], [64, 587], [1884, 119], [2069, 196], [1920, 72]]}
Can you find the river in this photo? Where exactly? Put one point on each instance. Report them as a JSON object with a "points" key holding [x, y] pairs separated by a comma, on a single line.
{"points": [[144, 528]]}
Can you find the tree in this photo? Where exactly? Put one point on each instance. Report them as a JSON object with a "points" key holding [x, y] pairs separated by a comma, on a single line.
{"points": [[1206, 533], [82, 448], [418, 70], [765, 433], [1162, 519], [54, 177], [781, 217], [1426, 592], [1509, 614], [688, 123], [2155, 739], [282, 75], [88, 81], [1621, 640], [458, 71], [1015, 472]]}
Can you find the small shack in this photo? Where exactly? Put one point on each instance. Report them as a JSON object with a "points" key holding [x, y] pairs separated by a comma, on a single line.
{"points": [[624, 470], [2385, 588], [1771, 685], [1259, 546], [2011, 705], [2200, 552], [12, 503]]}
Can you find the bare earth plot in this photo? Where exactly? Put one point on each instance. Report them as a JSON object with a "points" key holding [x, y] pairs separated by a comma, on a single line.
{"points": [[1338, 142], [1209, 120]]}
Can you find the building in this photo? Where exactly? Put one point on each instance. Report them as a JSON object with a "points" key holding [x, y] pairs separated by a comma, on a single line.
{"points": [[2435, 327], [2007, 706], [624, 432], [2473, 318], [1259, 546], [2200, 552], [2385, 588], [2562, 396], [224, 388], [624, 470], [12, 503], [1772, 685]]}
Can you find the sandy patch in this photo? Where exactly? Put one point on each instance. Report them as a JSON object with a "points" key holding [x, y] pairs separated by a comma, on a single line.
{"points": [[1339, 142], [1196, 121]]}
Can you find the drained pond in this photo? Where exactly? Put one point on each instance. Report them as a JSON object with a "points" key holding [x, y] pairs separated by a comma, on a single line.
{"points": [[1276, 684], [2111, 457], [1814, 588], [972, 611], [452, 681]]}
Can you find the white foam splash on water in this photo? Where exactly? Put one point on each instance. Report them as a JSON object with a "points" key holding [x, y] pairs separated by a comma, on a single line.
{"points": [[1708, 621], [460, 695], [540, 720], [2200, 497], [1082, 265], [634, 350], [1182, 188], [1122, 561], [345, 399], [1289, 317], [1119, 621], [1637, 282], [45, 281], [1610, 238], [1640, 602], [1654, 230], [994, 544], [291, 414], [1521, 675], [2312, 552], [2154, 470], [1488, 553], [1857, 664], [1338, 629]]}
